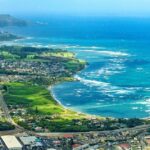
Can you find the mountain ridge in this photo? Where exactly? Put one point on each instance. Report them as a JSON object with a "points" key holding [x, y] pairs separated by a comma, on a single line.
{"points": [[9, 20]]}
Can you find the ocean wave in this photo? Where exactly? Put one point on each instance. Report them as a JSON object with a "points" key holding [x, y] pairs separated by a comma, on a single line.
{"points": [[105, 71], [139, 69], [91, 82], [91, 47], [77, 47], [105, 87], [29, 38], [147, 89], [145, 102], [34, 41], [68, 104], [135, 108], [97, 105], [108, 53], [148, 111], [111, 69], [113, 66]]}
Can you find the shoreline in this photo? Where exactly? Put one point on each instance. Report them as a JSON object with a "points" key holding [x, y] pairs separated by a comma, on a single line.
{"points": [[78, 112], [54, 97], [59, 102]]}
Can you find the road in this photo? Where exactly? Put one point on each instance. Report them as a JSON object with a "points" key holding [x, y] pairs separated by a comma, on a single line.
{"points": [[5, 111], [137, 128]]}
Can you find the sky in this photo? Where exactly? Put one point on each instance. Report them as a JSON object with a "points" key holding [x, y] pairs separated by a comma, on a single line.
{"points": [[77, 7]]}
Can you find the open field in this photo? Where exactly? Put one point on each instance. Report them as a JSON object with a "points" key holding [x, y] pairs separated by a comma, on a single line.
{"points": [[33, 107], [35, 98], [38, 104]]}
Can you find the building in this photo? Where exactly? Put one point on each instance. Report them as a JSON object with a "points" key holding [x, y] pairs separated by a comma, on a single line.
{"points": [[11, 142], [30, 142], [85, 146], [124, 146]]}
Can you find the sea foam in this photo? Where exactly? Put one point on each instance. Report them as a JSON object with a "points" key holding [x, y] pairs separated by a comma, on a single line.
{"points": [[104, 87], [108, 53]]}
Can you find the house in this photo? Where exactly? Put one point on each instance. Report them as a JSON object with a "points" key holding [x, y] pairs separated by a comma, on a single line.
{"points": [[147, 142], [124, 146], [75, 146], [68, 136]]}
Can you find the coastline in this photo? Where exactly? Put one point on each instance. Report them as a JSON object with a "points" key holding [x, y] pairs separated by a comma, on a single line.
{"points": [[54, 96], [58, 101], [66, 108], [50, 89]]}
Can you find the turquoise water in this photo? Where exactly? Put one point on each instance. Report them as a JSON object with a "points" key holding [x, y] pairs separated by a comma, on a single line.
{"points": [[117, 80]]}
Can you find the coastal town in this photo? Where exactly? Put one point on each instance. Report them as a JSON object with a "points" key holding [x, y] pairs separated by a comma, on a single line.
{"points": [[39, 122], [137, 138], [30, 117], [23, 65]]}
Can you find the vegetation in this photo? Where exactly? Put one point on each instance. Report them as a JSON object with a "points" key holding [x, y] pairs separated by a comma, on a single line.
{"points": [[33, 98], [5, 125], [35, 107], [8, 55], [39, 104], [27, 63], [33, 69], [30, 70]]}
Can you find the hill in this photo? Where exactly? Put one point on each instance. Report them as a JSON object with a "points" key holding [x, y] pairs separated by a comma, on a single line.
{"points": [[8, 20], [6, 36]]}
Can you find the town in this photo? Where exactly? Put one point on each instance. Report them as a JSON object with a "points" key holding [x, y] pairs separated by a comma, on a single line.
{"points": [[26, 63], [132, 139], [32, 119]]}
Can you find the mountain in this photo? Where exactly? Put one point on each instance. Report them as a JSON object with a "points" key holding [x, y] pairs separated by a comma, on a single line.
{"points": [[8, 20], [5, 36]]}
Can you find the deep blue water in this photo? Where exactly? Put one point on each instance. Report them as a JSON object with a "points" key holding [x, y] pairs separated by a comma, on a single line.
{"points": [[117, 80]]}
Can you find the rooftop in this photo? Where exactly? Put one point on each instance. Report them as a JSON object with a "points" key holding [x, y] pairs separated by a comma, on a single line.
{"points": [[11, 142]]}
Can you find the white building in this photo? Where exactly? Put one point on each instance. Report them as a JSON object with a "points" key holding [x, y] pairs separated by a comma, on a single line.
{"points": [[11, 142]]}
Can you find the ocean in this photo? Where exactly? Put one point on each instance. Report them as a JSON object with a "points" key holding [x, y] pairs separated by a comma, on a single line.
{"points": [[116, 83]]}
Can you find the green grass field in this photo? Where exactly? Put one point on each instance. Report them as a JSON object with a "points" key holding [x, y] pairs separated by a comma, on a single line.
{"points": [[36, 97], [59, 54]]}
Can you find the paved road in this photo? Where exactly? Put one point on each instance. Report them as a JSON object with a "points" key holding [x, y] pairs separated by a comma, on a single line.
{"points": [[5, 111], [137, 128]]}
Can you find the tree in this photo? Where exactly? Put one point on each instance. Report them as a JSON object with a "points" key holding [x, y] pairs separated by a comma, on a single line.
{"points": [[36, 110]]}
